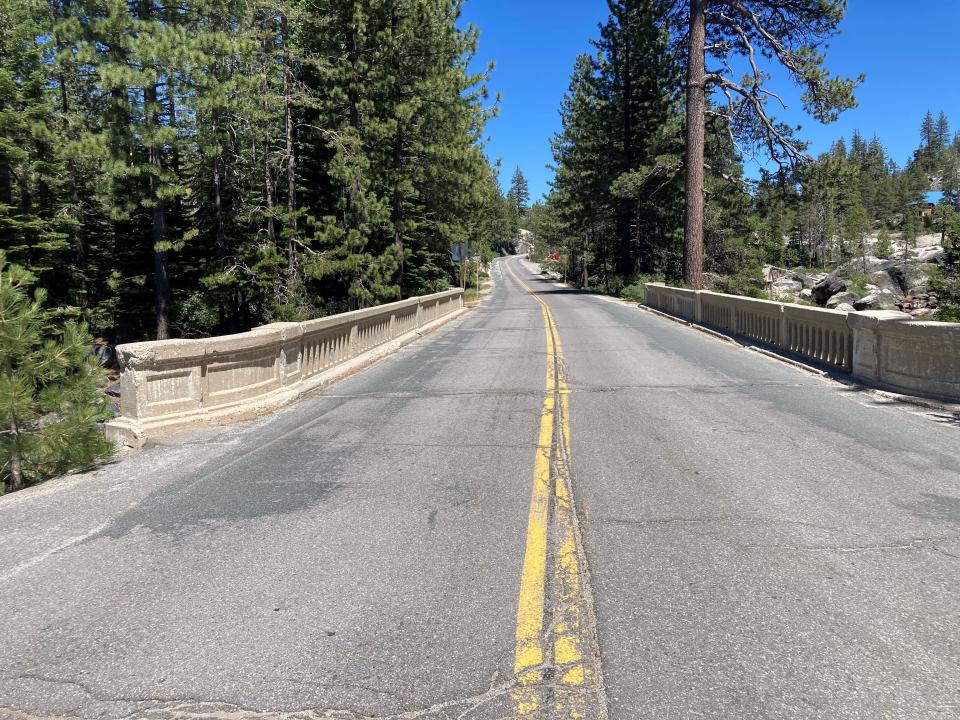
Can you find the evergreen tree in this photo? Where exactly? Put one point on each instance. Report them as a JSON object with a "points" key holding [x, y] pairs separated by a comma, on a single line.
{"points": [[789, 33], [49, 401], [583, 175], [942, 135], [34, 232], [884, 246], [520, 193], [208, 165], [637, 77], [928, 139], [946, 283]]}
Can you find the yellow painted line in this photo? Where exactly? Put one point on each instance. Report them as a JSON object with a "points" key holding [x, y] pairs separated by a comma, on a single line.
{"points": [[533, 576], [567, 631], [529, 656]]}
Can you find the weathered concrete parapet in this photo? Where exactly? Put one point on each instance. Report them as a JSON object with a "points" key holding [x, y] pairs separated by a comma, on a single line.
{"points": [[759, 320], [170, 385], [814, 333], [913, 356], [717, 311], [819, 334], [879, 347], [866, 341], [160, 378]]}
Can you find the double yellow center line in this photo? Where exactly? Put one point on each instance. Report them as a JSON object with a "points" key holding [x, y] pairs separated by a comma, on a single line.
{"points": [[555, 671]]}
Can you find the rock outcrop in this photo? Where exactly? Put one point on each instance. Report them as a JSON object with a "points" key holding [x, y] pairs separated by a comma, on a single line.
{"points": [[919, 305], [827, 288], [842, 298], [877, 300]]}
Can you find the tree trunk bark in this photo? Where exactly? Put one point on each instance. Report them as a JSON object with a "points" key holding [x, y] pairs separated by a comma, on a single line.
{"points": [[176, 211], [120, 153], [291, 158], [397, 214], [220, 239], [268, 192], [397, 211], [76, 236], [696, 102], [624, 263], [16, 471], [158, 229], [353, 102]]}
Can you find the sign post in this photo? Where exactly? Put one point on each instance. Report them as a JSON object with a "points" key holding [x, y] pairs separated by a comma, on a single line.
{"points": [[459, 252]]}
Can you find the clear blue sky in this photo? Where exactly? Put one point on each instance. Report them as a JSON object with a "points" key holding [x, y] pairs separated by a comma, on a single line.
{"points": [[907, 50]]}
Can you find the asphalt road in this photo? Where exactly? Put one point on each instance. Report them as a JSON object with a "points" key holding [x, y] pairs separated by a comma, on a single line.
{"points": [[749, 541]]}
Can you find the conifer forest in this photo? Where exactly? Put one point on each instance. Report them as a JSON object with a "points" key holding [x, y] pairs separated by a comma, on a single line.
{"points": [[180, 169], [622, 159]]}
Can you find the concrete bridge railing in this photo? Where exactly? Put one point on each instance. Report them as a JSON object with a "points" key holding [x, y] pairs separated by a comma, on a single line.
{"points": [[884, 347], [171, 385]]}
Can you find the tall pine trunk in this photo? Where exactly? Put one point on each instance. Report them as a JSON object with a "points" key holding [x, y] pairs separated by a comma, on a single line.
{"points": [[219, 234], [158, 222], [76, 233], [268, 190], [696, 107], [16, 471], [353, 110], [397, 210], [120, 151], [291, 158], [625, 264]]}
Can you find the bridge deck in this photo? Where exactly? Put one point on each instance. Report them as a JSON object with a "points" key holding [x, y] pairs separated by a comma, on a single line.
{"points": [[760, 542]]}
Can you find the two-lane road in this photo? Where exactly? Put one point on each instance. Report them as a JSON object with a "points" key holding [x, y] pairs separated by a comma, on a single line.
{"points": [[556, 506]]}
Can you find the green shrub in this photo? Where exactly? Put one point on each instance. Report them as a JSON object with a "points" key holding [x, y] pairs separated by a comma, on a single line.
{"points": [[884, 246], [614, 284], [945, 280], [748, 282], [50, 405], [635, 291], [857, 284], [195, 315]]}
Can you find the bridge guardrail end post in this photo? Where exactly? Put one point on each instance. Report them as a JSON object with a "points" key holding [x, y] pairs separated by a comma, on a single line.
{"points": [[865, 327]]}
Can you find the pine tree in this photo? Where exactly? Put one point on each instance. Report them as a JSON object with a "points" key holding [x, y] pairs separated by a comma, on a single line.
{"points": [[208, 165], [520, 193], [946, 282], [884, 246], [856, 225], [49, 401], [583, 174], [941, 135], [33, 231], [928, 139], [637, 74], [790, 34]]}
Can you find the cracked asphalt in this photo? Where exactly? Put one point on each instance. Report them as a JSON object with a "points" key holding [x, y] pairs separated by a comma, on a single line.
{"points": [[761, 542]]}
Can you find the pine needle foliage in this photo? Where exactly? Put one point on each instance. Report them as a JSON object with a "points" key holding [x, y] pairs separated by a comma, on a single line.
{"points": [[194, 167], [50, 405]]}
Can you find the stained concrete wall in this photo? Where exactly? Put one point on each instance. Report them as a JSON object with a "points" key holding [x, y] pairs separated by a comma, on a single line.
{"points": [[884, 348], [171, 385]]}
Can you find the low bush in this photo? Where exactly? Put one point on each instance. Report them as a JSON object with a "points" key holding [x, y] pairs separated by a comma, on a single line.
{"points": [[748, 282], [50, 403], [858, 284]]}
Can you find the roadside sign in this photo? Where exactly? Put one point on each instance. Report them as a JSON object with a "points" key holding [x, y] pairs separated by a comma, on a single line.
{"points": [[459, 252]]}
